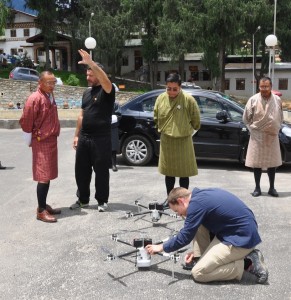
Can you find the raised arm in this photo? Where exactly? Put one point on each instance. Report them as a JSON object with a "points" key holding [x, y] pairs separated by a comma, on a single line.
{"points": [[98, 72]]}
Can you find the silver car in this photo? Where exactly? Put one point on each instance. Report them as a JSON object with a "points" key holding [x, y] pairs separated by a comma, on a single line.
{"points": [[21, 73]]}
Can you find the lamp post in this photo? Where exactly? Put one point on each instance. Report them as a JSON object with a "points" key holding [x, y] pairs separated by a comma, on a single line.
{"points": [[271, 42], [90, 43], [92, 15], [275, 16], [254, 62]]}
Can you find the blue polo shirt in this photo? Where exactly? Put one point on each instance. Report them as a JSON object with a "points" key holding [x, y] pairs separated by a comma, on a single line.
{"points": [[223, 214]]}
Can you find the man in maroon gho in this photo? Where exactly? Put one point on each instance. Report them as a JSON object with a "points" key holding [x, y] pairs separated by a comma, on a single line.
{"points": [[40, 119]]}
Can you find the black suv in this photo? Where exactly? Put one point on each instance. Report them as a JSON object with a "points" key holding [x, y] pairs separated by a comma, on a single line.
{"points": [[222, 135]]}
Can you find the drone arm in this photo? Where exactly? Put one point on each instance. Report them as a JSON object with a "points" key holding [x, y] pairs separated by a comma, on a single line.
{"points": [[123, 242], [127, 253], [140, 205], [115, 238], [141, 213]]}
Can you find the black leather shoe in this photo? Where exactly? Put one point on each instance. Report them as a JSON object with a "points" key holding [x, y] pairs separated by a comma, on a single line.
{"points": [[256, 193], [273, 193]]}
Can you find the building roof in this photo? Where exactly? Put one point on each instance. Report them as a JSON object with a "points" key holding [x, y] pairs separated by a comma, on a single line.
{"points": [[40, 38]]}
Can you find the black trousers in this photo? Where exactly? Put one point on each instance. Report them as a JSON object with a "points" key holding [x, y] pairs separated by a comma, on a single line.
{"points": [[93, 153]]}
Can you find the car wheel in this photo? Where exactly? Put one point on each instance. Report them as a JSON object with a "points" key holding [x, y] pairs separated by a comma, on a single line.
{"points": [[137, 150]]}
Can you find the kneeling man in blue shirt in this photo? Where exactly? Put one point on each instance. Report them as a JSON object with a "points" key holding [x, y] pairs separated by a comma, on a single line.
{"points": [[231, 251]]}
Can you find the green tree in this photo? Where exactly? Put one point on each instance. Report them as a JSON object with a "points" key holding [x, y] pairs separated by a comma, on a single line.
{"points": [[46, 21], [223, 25], [3, 14], [70, 16], [283, 26], [143, 15], [174, 37], [108, 28]]}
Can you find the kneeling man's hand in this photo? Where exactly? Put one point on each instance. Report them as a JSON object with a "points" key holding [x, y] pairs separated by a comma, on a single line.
{"points": [[152, 249]]}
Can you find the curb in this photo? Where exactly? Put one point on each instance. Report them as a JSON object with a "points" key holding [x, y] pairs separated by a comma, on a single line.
{"points": [[14, 123]]}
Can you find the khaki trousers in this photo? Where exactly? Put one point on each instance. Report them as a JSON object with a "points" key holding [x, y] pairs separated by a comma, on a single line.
{"points": [[218, 262]]}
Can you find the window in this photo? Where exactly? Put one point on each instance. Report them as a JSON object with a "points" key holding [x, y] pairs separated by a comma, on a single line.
{"points": [[240, 84], [283, 84], [195, 76], [13, 33], [24, 71], [235, 114], [149, 104], [13, 51], [25, 32], [226, 84], [33, 72], [125, 60], [206, 75], [159, 76], [208, 107]]}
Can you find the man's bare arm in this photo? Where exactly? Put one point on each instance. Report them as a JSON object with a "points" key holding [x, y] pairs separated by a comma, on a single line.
{"points": [[78, 128]]}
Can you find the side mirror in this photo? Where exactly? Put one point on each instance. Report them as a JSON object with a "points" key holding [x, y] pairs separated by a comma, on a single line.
{"points": [[222, 116]]}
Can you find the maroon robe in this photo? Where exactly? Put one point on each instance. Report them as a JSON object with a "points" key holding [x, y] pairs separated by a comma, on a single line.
{"points": [[40, 117]]}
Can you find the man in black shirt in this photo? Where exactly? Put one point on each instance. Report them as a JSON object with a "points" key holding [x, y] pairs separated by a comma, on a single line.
{"points": [[92, 139]]}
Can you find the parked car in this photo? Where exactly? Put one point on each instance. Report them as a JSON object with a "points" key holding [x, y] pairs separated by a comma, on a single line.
{"points": [[21, 73], [278, 93], [222, 135]]}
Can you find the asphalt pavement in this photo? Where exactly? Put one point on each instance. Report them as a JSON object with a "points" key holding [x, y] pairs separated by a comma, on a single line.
{"points": [[68, 259]]}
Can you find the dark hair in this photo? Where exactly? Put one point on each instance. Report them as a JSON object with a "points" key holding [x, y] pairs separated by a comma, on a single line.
{"points": [[99, 65], [174, 77], [44, 73], [266, 78]]}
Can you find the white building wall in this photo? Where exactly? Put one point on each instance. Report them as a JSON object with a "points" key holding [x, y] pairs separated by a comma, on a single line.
{"points": [[234, 75], [22, 21]]}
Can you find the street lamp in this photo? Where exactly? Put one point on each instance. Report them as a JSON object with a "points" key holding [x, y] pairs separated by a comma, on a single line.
{"points": [[271, 42], [254, 79], [90, 43]]}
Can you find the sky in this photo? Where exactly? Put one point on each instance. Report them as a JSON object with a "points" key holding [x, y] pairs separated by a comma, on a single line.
{"points": [[19, 5]]}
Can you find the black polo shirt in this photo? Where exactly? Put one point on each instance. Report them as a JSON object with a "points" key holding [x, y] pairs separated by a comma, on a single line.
{"points": [[97, 108]]}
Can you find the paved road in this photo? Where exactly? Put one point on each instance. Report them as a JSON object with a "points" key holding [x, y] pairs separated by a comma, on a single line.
{"points": [[67, 260]]}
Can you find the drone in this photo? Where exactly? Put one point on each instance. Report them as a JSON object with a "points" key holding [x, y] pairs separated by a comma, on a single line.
{"points": [[142, 257], [155, 209]]}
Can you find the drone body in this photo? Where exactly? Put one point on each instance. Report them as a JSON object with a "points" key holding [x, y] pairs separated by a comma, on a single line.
{"points": [[155, 209]]}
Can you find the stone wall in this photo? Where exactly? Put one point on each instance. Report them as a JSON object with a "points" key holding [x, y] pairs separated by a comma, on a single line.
{"points": [[18, 91]]}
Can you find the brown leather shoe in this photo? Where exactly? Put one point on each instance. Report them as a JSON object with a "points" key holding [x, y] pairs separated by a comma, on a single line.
{"points": [[53, 211], [45, 217]]}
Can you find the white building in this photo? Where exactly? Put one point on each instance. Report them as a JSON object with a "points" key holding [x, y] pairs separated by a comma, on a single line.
{"points": [[238, 76], [239, 79], [16, 34], [23, 37]]}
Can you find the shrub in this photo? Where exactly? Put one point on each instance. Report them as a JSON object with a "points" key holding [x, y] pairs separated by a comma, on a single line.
{"points": [[73, 80]]}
